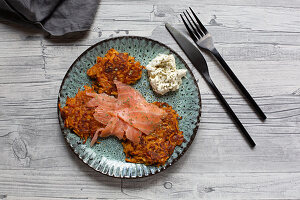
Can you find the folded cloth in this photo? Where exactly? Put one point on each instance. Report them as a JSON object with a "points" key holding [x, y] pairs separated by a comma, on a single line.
{"points": [[57, 17]]}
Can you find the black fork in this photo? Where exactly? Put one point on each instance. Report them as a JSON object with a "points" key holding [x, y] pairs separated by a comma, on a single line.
{"points": [[204, 40]]}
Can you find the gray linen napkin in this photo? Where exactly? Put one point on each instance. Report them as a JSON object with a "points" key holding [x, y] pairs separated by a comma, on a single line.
{"points": [[57, 17]]}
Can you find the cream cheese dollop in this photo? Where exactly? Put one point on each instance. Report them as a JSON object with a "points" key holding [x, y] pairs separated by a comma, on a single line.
{"points": [[163, 75]]}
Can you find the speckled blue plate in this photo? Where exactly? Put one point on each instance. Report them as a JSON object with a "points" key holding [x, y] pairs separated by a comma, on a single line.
{"points": [[108, 157]]}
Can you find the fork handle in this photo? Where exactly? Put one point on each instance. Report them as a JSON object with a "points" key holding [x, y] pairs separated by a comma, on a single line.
{"points": [[238, 83], [228, 108]]}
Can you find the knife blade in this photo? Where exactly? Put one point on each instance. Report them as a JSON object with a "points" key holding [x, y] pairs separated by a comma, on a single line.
{"points": [[190, 50]]}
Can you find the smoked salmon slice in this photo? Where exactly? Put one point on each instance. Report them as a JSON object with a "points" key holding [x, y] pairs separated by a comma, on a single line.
{"points": [[104, 104], [94, 139], [114, 127], [102, 116], [105, 101], [108, 130], [135, 110], [128, 96], [130, 114], [133, 134], [143, 120]]}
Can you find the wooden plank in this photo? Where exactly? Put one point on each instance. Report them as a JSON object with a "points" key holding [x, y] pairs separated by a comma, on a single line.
{"points": [[249, 3], [166, 186], [222, 15], [20, 49], [70, 185], [216, 186]]}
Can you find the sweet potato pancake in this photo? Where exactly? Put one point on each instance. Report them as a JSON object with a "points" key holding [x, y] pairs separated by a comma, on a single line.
{"points": [[156, 148], [114, 66], [78, 117]]}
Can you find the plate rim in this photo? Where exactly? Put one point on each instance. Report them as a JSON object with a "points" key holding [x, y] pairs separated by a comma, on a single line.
{"points": [[171, 51]]}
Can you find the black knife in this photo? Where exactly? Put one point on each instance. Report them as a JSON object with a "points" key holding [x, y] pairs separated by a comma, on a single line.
{"points": [[197, 59]]}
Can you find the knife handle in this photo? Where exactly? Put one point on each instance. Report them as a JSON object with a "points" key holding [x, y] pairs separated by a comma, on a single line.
{"points": [[238, 83], [228, 108]]}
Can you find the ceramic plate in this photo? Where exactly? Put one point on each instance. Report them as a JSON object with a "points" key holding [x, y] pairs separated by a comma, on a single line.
{"points": [[108, 157]]}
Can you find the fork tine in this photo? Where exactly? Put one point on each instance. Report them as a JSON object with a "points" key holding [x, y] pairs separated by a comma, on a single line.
{"points": [[199, 31], [195, 31], [189, 30], [200, 24]]}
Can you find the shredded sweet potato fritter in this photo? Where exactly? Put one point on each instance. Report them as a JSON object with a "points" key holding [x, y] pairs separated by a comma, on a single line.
{"points": [[78, 117], [156, 148], [114, 65]]}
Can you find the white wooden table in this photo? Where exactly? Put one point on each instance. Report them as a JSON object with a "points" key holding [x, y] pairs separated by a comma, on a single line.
{"points": [[259, 39]]}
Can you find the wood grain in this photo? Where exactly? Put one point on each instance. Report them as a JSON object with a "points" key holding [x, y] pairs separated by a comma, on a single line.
{"points": [[259, 40]]}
